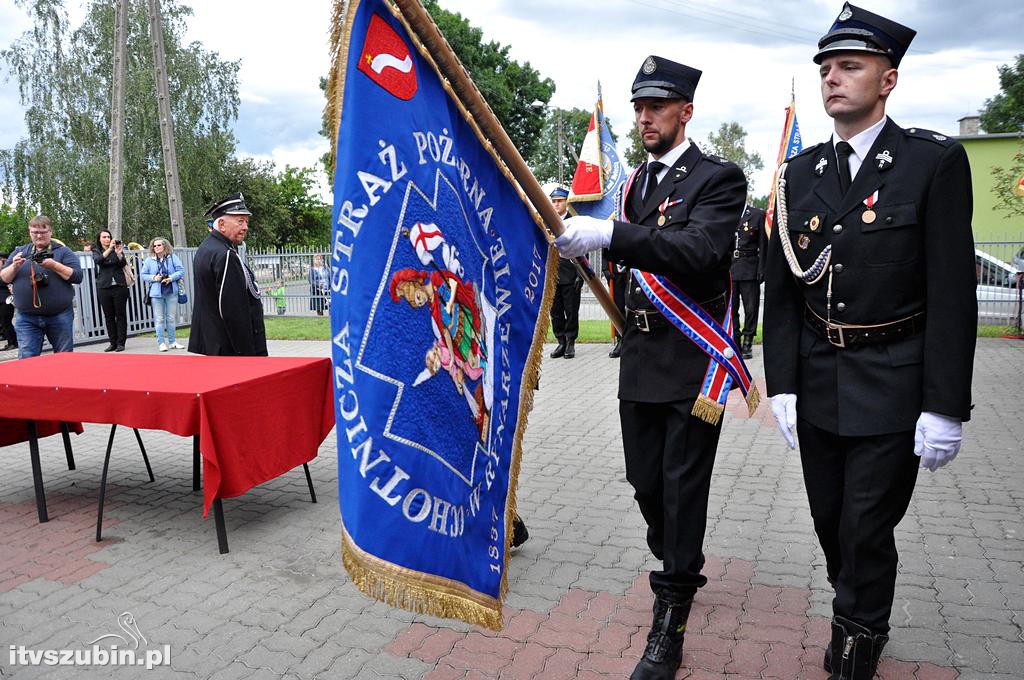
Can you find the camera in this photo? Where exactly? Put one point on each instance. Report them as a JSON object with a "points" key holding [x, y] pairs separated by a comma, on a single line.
{"points": [[41, 255], [117, 242], [40, 278]]}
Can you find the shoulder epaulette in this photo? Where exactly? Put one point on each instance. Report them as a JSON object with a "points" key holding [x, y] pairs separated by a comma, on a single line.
{"points": [[929, 135], [806, 152], [716, 159]]}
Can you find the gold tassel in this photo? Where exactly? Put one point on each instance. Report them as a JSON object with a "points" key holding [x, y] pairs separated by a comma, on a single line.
{"points": [[707, 409], [753, 400]]}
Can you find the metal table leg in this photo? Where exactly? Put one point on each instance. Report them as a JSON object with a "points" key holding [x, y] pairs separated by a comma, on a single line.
{"points": [[66, 435], [142, 448], [222, 532], [37, 471], [103, 484], [309, 482], [195, 462]]}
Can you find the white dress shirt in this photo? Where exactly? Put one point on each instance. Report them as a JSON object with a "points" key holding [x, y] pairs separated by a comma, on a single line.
{"points": [[861, 143], [669, 158]]}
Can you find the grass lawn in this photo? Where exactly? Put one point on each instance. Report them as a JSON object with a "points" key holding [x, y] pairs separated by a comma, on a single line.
{"points": [[319, 328]]}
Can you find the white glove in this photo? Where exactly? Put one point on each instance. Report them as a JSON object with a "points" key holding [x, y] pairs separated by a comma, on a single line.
{"points": [[583, 234], [937, 439], [784, 410]]}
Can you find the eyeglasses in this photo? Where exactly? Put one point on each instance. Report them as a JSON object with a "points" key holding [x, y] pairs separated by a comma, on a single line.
{"points": [[38, 233]]}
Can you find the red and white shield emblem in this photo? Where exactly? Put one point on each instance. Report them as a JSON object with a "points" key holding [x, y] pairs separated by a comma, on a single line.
{"points": [[386, 60]]}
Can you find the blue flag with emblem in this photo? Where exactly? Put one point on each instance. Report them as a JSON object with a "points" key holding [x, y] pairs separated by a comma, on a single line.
{"points": [[599, 173], [439, 278]]}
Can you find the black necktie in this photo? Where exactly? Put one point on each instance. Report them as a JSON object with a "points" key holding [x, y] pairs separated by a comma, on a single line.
{"points": [[653, 168], [843, 151]]}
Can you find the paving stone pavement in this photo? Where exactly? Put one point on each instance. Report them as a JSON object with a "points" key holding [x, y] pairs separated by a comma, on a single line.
{"points": [[279, 605]]}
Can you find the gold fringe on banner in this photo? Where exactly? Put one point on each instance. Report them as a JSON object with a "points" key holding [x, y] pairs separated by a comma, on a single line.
{"points": [[753, 400], [398, 586]]}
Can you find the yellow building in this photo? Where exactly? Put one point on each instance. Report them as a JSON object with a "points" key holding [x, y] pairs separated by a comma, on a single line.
{"points": [[986, 151]]}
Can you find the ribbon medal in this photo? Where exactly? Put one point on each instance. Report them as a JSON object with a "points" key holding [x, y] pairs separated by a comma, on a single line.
{"points": [[869, 215], [665, 205]]}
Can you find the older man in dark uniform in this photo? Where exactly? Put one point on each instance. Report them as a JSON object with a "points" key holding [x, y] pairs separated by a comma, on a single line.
{"points": [[565, 307], [680, 214], [227, 317], [870, 317], [747, 273]]}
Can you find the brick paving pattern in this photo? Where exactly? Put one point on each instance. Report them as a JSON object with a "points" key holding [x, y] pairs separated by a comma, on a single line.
{"points": [[280, 605]]}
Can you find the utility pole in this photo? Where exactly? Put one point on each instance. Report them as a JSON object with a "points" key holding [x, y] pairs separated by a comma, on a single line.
{"points": [[561, 148], [115, 199], [163, 100]]}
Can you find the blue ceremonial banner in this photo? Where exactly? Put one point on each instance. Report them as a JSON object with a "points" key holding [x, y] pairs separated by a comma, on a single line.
{"points": [[790, 145], [599, 173], [438, 314]]}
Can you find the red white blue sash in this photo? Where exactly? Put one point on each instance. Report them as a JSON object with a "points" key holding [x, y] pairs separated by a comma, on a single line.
{"points": [[726, 367]]}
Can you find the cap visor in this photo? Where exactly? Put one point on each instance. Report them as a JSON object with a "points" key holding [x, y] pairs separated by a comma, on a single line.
{"points": [[849, 46], [655, 92]]}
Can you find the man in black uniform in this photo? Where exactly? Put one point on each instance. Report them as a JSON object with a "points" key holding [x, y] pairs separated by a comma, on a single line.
{"points": [[681, 211], [616, 275], [747, 274], [870, 317], [565, 308], [227, 317]]}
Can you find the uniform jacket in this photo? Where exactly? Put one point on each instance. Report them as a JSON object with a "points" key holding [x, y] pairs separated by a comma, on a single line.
{"points": [[693, 248], [749, 246], [226, 319], [916, 254], [567, 274]]}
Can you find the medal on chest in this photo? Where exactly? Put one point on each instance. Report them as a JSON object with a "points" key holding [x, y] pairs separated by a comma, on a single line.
{"points": [[663, 209], [869, 215]]}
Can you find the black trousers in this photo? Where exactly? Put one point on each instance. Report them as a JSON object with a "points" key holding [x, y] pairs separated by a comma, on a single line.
{"points": [[7, 319], [749, 292], [114, 303], [565, 313], [859, 489], [669, 457]]}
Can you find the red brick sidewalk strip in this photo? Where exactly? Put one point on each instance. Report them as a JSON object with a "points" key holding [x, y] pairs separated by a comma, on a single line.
{"points": [[737, 630]]}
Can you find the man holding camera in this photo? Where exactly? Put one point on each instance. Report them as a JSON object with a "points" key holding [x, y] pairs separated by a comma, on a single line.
{"points": [[42, 274]]}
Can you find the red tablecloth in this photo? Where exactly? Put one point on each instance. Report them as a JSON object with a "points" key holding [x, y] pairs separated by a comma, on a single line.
{"points": [[256, 417]]}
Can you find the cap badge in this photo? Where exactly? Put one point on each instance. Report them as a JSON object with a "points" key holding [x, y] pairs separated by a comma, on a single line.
{"points": [[846, 13], [884, 158], [804, 241], [819, 169], [649, 67], [940, 138]]}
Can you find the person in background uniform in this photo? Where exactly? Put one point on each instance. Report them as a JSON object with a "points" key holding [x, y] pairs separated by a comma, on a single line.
{"points": [[227, 314], [680, 220], [870, 318], [565, 308], [616, 275], [7, 312], [747, 275]]}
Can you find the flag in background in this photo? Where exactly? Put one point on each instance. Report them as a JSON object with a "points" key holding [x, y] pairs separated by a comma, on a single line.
{"points": [[599, 173], [790, 145], [440, 295]]}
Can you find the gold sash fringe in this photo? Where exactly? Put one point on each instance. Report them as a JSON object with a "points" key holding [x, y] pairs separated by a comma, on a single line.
{"points": [[710, 411]]}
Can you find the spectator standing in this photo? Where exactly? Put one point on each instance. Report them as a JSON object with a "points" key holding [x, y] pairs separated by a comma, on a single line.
{"points": [[162, 271], [111, 287], [319, 286], [43, 274]]}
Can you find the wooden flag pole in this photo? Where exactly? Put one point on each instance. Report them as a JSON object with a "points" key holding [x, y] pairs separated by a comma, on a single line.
{"points": [[429, 34]]}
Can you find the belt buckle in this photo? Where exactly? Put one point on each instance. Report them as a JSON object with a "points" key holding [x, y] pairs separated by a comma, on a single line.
{"points": [[641, 314], [841, 342]]}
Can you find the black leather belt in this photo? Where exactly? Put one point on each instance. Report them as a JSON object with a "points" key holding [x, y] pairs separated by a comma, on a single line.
{"points": [[844, 335], [647, 320]]}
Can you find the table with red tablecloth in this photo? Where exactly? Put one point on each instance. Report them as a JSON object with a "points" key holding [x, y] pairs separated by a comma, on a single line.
{"points": [[255, 417]]}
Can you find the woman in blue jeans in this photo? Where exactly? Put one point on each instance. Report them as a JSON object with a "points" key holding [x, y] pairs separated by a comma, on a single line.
{"points": [[161, 271]]}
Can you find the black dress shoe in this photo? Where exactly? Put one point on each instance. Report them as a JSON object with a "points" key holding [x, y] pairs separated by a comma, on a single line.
{"points": [[8, 347], [119, 348], [519, 533], [570, 350], [616, 350], [110, 348], [559, 351]]}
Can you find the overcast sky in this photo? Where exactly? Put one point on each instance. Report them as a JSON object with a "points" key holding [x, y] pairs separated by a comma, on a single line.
{"points": [[749, 53]]}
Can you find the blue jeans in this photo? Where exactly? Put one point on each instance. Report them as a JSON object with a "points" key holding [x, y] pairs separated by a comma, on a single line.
{"points": [[165, 313], [58, 328]]}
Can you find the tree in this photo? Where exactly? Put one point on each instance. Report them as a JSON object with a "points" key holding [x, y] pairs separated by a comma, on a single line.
{"points": [[636, 153], [309, 218], [544, 160], [1008, 185], [509, 87], [61, 168], [730, 142], [1005, 111]]}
